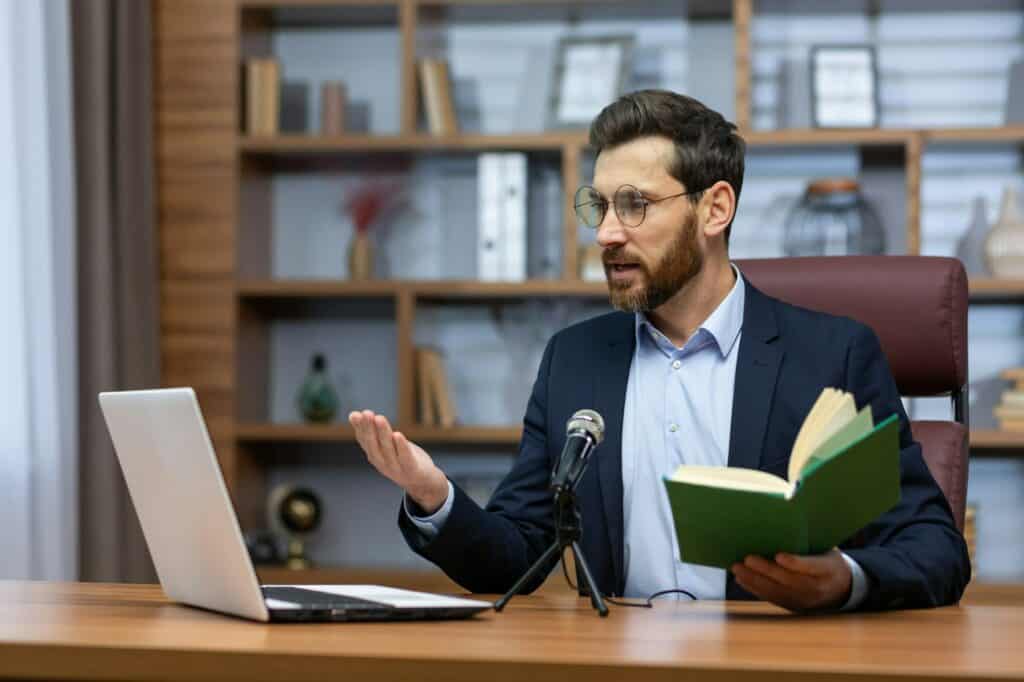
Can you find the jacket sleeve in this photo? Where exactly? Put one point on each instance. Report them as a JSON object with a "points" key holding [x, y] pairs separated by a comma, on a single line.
{"points": [[913, 555], [488, 550]]}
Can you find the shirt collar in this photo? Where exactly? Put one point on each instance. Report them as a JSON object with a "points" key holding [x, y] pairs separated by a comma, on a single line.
{"points": [[723, 324]]}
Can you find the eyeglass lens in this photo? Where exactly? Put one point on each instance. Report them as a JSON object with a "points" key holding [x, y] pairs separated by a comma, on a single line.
{"points": [[628, 202]]}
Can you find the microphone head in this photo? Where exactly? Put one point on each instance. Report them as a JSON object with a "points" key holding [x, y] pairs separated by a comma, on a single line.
{"points": [[590, 422]]}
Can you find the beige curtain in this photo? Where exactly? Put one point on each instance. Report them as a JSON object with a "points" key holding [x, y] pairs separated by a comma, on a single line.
{"points": [[118, 275]]}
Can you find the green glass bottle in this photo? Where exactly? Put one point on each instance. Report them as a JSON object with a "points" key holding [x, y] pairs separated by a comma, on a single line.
{"points": [[318, 401]]}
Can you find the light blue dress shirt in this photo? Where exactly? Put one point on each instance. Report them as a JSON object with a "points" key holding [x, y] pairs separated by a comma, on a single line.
{"points": [[678, 411]]}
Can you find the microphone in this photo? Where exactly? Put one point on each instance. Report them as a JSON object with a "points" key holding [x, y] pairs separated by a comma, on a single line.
{"points": [[583, 433]]}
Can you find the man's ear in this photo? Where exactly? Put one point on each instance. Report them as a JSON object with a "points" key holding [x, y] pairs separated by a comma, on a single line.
{"points": [[718, 206]]}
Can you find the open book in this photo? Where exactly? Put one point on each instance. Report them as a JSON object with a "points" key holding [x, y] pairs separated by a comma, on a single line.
{"points": [[843, 473]]}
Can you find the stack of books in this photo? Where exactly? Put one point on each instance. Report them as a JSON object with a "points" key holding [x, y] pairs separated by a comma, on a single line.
{"points": [[436, 407], [262, 96], [1010, 410], [438, 101]]}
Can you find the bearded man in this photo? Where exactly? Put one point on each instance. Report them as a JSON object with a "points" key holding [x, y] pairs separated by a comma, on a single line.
{"points": [[696, 367]]}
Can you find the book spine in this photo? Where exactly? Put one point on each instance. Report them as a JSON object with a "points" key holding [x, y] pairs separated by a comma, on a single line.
{"points": [[489, 268], [253, 97], [445, 405], [426, 395], [332, 109], [271, 100], [446, 98], [513, 203], [431, 96]]}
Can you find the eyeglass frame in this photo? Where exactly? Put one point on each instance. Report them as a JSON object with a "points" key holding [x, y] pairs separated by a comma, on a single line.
{"points": [[604, 213]]}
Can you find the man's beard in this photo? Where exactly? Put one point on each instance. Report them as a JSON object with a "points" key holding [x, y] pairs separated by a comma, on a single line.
{"points": [[682, 261]]}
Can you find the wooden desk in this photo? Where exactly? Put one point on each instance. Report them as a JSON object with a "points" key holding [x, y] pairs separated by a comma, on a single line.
{"points": [[81, 631]]}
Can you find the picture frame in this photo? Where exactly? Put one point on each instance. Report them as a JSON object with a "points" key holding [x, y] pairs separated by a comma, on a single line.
{"points": [[589, 74], [844, 86]]}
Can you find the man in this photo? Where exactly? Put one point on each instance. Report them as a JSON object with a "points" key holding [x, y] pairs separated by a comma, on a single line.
{"points": [[699, 367]]}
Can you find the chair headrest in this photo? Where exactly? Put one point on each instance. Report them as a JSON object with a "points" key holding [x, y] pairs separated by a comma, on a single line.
{"points": [[917, 305]]}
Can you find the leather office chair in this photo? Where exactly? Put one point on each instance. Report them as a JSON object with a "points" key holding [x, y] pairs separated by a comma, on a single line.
{"points": [[917, 305]]}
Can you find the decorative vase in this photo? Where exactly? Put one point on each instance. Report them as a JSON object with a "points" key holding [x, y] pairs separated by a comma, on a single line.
{"points": [[833, 219], [317, 399], [971, 247], [1004, 247], [360, 257]]}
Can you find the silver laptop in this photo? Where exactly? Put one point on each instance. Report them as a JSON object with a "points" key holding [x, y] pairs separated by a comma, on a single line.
{"points": [[193, 534]]}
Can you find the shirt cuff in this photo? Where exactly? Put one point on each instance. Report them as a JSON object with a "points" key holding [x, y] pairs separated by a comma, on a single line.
{"points": [[430, 526], [859, 584]]}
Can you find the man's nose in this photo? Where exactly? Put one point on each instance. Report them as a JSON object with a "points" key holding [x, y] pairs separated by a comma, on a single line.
{"points": [[611, 231]]}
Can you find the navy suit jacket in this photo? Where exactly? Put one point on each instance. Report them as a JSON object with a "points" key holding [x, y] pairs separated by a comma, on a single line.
{"points": [[913, 555]]}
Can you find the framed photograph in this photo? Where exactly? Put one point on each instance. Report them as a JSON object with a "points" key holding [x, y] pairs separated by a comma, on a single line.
{"points": [[844, 86], [589, 73]]}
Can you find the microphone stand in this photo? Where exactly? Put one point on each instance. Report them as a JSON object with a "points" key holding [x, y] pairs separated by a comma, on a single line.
{"points": [[567, 534]]}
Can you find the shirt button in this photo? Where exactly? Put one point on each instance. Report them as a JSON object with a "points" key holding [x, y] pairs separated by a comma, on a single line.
{"points": [[676, 364], [673, 428]]}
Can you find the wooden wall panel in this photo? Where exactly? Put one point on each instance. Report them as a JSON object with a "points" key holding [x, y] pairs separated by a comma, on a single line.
{"points": [[195, 83]]}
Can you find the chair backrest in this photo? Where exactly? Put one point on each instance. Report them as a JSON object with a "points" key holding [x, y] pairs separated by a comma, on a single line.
{"points": [[917, 305]]}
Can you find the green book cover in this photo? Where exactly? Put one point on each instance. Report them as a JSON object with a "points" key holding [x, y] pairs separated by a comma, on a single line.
{"points": [[845, 485]]}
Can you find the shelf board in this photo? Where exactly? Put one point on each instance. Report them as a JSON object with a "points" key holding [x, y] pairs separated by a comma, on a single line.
{"points": [[293, 144], [305, 288], [483, 435], [995, 288], [822, 136], [996, 440], [271, 433], [431, 290], [455, 289], [340, 432], [318, 144], [1012, 133]]}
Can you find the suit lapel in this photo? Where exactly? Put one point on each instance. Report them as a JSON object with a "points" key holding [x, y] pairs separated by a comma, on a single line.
{"points": [[610, 383], [757, 369]]}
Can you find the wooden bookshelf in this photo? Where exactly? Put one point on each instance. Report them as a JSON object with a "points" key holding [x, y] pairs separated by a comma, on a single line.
{"points": [[215, 214]]}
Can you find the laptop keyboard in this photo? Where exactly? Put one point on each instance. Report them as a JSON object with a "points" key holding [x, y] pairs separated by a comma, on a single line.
{"points": [[314, 599]]}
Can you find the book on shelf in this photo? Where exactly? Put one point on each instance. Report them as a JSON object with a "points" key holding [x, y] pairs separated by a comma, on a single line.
{"points": [[262, 84], [844, 472], [1010, 410], [436, 406], [502, 209], [438, 97]]}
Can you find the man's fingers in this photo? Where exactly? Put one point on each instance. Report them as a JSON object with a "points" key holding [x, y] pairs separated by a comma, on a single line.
{"points": [[775, 572], [384, 443], [764, 587], [818, 566], [366, 435]]}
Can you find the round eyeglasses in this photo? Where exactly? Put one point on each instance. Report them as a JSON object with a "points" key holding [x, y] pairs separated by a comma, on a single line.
{"points": [[629, 202]]}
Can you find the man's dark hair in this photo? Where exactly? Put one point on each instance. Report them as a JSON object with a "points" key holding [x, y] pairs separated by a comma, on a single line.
{"points": [[708, 148]]}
